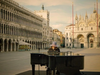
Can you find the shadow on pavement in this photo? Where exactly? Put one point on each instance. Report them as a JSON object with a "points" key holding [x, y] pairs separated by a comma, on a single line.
{"points": [[30, 73], [44, 73]]}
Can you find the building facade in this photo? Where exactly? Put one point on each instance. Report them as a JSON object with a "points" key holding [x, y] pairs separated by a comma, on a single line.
{"points": [[68, 35], [59, 33], [56, 38], [86, 31], [18, 24]]}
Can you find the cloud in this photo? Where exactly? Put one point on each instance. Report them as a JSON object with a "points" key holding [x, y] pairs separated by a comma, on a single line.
{"points": [[60, 27], [60, 17], [86, 5], [61, 10], [60, 20], [45, 2]]}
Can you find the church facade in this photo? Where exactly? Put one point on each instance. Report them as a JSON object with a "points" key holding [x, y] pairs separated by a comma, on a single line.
{"points": [[86, 32]]}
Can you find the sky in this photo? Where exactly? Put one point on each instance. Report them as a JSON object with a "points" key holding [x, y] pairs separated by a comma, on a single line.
{"points": [[61, 10]]}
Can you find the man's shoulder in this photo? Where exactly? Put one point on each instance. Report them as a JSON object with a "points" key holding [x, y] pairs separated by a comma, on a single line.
{"points": [[57, 48], [50, 48]]}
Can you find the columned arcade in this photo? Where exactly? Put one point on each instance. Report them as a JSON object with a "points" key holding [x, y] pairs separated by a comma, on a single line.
{"points": [[18, 24]]}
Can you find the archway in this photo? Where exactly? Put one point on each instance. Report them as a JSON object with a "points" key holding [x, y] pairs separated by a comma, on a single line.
{"points": [[9, 45], [1, 45], [99, 40], [5, 45], [80, 39], [90, 40]]}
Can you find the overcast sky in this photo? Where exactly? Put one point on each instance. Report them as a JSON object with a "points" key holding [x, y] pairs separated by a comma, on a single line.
{"points": [[61, 10]]}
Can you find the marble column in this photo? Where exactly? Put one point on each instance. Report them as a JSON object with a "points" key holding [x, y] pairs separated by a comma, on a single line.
{"points": [[42, 45], [14, 46], [4, 14], [95, 43], [75, 42], [34, 45], [31, 45], [85, 42], [11, 46], [7, 45], [8, 29]]}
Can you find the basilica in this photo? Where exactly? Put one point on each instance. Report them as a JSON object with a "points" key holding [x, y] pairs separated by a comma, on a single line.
{"points": [[86, 32]]}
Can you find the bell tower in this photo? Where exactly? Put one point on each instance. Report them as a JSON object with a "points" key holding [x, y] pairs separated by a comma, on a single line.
{"points": [[42, 7]]}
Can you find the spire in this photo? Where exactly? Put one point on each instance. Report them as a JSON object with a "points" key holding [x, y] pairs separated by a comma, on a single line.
{"points": [[42, 7], [94, 9], [76, 17], [86, 16], [94, 6], [80, 17]]}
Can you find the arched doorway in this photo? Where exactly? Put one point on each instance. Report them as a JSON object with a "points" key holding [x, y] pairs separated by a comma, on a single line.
{"points": [[5, 45], [80, 41], [90, 39], [9, 44], [1, 45], [99, 40]]}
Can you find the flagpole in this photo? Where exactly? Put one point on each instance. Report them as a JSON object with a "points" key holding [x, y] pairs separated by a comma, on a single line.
{"points": [[97, 17], [97, 23], [73, 22]]}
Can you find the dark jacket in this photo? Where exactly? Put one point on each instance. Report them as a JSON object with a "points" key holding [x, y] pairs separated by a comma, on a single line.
{"points": [[56, 49], [54, 52]]}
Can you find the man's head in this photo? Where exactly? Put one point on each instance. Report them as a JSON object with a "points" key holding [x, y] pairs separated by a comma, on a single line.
{"points": [[53, 45]]}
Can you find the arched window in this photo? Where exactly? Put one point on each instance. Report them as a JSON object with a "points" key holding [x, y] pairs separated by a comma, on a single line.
{"points": [[4, 14], [4, 28], [1, 13], [8, 15], [91, 28]]}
